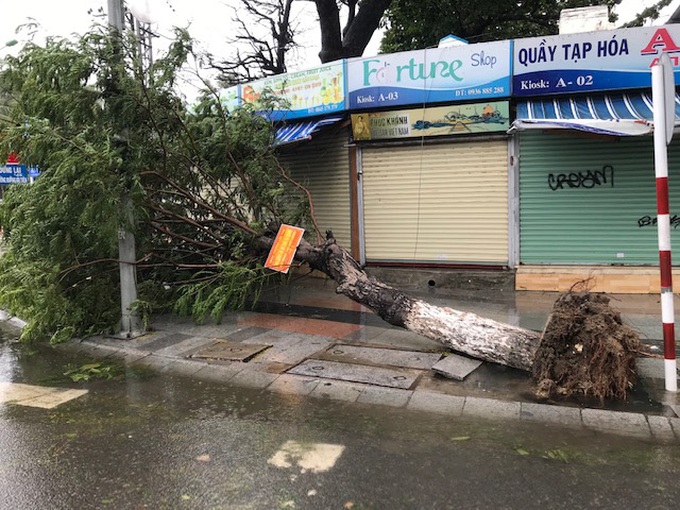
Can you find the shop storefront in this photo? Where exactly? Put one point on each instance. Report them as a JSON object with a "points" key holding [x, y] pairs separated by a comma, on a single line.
{"points": [[587, 189], [433, 180]]}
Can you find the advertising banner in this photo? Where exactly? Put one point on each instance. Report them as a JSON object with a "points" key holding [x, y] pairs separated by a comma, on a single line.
{"points": [[461, 73], [14, 174], [230, 98], [306, 93], [439, 121], [594, 61]]}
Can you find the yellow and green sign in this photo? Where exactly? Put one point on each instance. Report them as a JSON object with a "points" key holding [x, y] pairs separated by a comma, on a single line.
{"points": [[487, 117]]}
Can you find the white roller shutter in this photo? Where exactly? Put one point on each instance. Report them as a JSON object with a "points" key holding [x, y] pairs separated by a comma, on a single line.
{"points": [[438, 203]]}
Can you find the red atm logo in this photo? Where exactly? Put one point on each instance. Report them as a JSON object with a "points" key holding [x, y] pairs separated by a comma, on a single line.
{"points": [[661, 42]]}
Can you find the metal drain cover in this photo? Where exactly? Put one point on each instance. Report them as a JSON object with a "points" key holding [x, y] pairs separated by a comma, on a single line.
{"points": [[390, 377], [230, 351], [381, 356]]}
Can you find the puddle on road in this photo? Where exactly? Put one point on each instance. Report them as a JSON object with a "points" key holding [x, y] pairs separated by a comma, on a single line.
{"points": [[36, 396], [313, 457]]}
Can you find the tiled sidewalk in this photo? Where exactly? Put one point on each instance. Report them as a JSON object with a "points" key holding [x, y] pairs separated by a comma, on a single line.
{"points": [[301, 330]]}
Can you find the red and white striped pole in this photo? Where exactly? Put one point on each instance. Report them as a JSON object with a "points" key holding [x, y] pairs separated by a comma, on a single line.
{"points": [[663, 132]]}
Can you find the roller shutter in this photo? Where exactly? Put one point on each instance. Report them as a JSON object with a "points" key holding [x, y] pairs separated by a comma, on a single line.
{"points": [[436, 203], [591, 201], [322, 166]]}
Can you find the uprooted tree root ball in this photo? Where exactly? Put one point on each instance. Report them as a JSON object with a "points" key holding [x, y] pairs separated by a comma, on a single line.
{"points": [[586, 349]]}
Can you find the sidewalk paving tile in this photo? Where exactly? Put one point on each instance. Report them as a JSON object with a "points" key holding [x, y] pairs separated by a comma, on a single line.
{"points": [[436, 403], [366, 334], [661, 428], [128, 357], [392, 397], [300, 325], [293, 384], [338, 390], [253, 379], [153, 361], [334, 301], [407, 340], [160, 342], [183, 367], [558, 415], [243, 334], [456, 367], [491, 408], [219, 372], [292, 350], [381, 357], [185, 347], [615, 422], [264, 320], [94, 350], [675, 425]]}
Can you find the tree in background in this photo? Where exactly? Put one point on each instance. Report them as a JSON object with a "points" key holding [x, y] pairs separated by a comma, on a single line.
{"points": [[416, 25], [363, 19], [267, 32]]}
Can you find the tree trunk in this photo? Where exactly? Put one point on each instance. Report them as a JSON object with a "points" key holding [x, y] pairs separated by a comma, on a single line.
{"points": [[464, 332], [352, 41]]}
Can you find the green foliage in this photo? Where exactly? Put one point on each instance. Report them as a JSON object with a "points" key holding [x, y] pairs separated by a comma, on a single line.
{"points": [[92, 371], [230, 289], [417, 25], [203, 183]]}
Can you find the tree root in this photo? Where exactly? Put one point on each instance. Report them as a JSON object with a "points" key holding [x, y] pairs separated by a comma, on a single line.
{"points": [[586, 349]]}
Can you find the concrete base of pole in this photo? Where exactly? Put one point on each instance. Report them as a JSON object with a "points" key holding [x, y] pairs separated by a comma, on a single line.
{"points": [[671, 374]]}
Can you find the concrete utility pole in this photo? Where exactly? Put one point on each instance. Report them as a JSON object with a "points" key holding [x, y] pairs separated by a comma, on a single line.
{"points": [[130, 324]]}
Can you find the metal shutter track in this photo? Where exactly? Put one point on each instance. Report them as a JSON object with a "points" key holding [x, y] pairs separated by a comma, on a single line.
{"points": [[444, 203]]}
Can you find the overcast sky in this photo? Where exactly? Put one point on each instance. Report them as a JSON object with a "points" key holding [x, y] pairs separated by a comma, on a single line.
{"points": [[209, 21]]}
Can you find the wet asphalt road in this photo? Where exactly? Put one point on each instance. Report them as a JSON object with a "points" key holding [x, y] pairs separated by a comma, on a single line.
{"points": [[144, 441]]}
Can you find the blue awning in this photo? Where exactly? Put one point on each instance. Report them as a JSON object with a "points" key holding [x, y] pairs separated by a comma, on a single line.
{"points": [[302, 130], [628, 114]]}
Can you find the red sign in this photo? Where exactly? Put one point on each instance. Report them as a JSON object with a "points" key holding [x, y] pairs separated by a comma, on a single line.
{"points": [[12, 158], [283, 250]]}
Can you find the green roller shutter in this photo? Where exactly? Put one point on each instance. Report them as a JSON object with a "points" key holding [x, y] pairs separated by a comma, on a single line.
{"points": [[322, 166], [591, 201]]}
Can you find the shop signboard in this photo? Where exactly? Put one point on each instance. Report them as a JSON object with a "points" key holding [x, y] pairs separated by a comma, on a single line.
{"points": [[230, 97], [307, 93], [459, 119], [460, 73], [14, 174], [593, 61]]}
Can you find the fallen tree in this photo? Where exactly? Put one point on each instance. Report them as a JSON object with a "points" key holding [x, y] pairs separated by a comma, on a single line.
{"points": [[584, 349], [205, 182]]}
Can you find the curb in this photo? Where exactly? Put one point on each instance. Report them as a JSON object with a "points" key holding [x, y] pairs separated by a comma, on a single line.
{"points": [[636, 425]]}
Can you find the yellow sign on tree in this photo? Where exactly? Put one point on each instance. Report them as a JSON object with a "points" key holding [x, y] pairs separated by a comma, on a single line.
{"points": [[283, 250]]}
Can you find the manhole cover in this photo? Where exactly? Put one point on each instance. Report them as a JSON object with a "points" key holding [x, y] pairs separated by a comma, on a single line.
{"points": [[379, 356], [230, 351], [390, 377]]}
